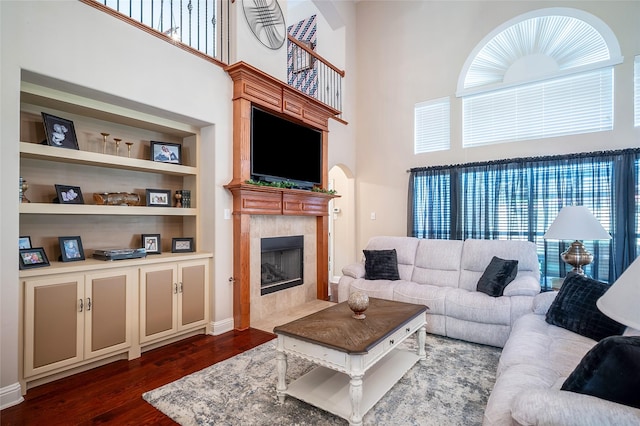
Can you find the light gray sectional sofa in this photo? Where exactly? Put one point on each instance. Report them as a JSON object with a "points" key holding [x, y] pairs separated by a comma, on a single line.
{"points": [[535, 362], [443, 275]]}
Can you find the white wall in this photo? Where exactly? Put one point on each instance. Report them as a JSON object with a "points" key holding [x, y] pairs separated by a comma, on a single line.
{"points": [[72, 42], [68, 41], [412, 51]]}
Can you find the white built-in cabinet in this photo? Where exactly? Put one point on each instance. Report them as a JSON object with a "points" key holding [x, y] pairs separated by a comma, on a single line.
{"points": [[75, 315]]}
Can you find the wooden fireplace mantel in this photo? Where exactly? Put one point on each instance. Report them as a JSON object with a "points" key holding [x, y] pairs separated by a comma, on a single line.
{"points": [[254, 87]]}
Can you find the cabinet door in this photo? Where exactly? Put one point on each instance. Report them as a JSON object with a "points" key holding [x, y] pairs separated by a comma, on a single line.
{"points": [[53, 323], [193, 293], [108, 303], [158, 301]]}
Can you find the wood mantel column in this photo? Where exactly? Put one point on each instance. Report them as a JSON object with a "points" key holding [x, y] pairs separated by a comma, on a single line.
{"points": [[253, 87]]}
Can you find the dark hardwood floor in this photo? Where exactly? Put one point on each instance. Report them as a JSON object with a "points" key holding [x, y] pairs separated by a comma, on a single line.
{"points": [[112, 394]]}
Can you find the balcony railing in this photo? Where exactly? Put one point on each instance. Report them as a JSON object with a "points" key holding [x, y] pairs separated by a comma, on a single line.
{"points": [[201, 27], [313, 75], [190, 24]]}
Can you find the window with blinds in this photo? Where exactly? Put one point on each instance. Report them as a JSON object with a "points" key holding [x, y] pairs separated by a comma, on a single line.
{"points": [[580, 103], [432, 126], [636, 85], [544, 74], [519, 199]]}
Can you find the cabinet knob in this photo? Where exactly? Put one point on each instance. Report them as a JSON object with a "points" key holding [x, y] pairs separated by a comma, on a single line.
{"points": [[180, 287], [392, 341], [81, 305], [175, 288], [88, 303]]}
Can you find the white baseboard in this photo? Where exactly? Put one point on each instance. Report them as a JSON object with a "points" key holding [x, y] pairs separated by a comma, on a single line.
{"points": [[219, 327], [10, 395]]}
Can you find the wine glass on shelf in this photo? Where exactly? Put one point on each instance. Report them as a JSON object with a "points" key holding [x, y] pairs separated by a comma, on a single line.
{"points": [[104, 142], [129, 144], [117, 144]]}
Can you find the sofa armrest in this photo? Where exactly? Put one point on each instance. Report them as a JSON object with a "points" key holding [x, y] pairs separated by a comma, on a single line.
{"points": [[525, 285], [557, 407], [355, 270], [542, 302]]}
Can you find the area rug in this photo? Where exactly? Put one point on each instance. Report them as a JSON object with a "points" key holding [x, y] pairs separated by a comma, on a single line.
{"points": [[450, 388]]}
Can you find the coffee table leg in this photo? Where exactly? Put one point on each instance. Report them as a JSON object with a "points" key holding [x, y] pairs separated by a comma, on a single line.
{"points": [[355, 394], [422, 337], [281, 362]]}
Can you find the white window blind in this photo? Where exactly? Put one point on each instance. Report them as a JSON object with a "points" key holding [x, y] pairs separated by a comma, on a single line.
{"points": [[636, 85], [432, 126], [576, 104]]}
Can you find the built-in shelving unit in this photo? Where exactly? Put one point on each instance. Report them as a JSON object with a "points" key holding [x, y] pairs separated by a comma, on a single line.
{"points": [[79, 314]]}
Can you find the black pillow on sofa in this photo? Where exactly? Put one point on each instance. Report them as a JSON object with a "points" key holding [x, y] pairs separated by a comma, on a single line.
{"points": [[574, 308], [381, 265], [610, 370], [497, 276]]}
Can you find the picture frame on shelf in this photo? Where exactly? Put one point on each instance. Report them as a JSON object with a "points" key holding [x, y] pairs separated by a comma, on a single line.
{"points": [[151, 243], [166, 152], [68, 194], [60, 132], [71, 249], [158, 197], [33, 258], [24, 242], [182, 245]]}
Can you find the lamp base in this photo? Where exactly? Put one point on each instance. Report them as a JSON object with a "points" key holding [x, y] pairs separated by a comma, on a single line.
{"points": [[577, 256]]}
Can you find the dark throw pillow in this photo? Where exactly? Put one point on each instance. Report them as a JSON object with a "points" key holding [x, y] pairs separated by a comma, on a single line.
{"points": [[610, 370], [381, 265], [497, 276], [574, 308]]}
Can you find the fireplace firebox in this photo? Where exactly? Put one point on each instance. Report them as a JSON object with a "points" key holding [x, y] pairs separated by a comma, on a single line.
{"points": [[281, 263]]}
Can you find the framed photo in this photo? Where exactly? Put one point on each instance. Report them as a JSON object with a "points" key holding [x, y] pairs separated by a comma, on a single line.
{"points": [[182, 245], [158, 197], [24, 242], [60, 132], [151, 242], [33, 258], [69, 194], [71, 249], [166, 152]]}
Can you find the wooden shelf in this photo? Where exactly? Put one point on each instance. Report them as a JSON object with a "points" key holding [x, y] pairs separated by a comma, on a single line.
{"points": [[93, 209], [63, 155], [91, 264]]}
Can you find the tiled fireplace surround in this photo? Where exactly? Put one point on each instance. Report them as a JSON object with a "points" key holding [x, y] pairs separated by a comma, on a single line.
{"points": [[260, 211], [265, 226]]}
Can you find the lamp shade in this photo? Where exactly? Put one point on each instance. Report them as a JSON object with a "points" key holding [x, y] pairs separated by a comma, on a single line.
{"points": [[576, 223], [622, 301]]}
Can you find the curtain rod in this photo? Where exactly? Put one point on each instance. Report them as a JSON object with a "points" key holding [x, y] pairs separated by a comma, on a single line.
{"points": [[526, 159]]}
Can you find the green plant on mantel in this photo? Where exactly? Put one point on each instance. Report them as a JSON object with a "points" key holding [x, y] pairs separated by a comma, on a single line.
{"points": [[287, 185]]}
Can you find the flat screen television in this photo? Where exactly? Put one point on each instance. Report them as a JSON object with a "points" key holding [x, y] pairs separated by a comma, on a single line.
{"points": [[282, 150]]}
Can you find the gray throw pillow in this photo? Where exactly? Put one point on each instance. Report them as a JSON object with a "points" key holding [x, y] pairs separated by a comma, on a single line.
{"points": [[497, 276], [381, 265], [575, 308], [610, 370]]}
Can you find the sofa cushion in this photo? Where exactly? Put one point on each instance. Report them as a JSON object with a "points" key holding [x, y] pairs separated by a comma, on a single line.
{"points": [[438, 262], [381, 265], [405, 248], [422, 294], [477, 254], [382, 289], [575, 309], [496, 276], [477, 307], [609, 371]]}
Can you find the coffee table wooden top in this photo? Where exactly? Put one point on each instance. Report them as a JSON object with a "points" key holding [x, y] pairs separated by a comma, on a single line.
{"points": [[335, 328]]}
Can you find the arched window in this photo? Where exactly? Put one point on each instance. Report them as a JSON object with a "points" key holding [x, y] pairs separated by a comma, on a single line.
{"points": [[543, 74]]}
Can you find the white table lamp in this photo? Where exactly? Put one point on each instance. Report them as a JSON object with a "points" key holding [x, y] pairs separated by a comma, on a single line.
{"points": [[622, 301], [576, 223]]}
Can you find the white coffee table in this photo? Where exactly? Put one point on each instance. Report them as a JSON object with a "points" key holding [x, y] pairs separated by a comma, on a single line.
{"points": [[358, 360]]}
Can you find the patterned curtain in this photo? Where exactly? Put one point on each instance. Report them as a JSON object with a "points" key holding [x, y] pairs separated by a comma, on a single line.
{"points": [[519, 199]]}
